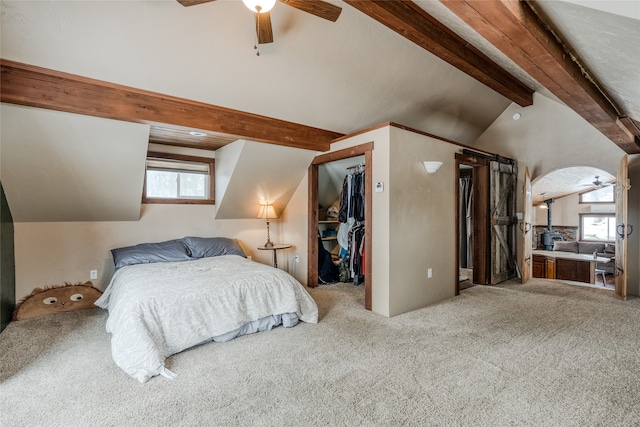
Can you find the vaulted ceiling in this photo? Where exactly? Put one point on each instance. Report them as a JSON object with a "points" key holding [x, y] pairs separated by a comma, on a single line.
{"points": [[195, 68]]}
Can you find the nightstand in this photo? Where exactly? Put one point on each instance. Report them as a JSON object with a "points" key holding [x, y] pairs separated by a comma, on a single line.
{"points": [[275, 248]]}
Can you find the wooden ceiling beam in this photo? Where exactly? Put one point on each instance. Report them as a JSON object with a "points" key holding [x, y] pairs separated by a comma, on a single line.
{"points": [[44, 88], [518, 32], [412, 22]]}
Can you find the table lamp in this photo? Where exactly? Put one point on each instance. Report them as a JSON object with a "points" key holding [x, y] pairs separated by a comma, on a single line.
{"points": [[267, 212]]}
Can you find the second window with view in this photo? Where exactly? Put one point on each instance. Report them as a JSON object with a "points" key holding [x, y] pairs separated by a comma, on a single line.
{"points": [[598, 227]]}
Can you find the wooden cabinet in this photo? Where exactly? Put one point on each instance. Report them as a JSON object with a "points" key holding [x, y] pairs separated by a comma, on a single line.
{"points": [[568, 269], [550, 268], [584, 272], [538, 267]]}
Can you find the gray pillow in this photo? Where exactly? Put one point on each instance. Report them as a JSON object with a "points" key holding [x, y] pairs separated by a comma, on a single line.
{"points": [[589, 248], [565, 246], [146, 253], [202, 247]]}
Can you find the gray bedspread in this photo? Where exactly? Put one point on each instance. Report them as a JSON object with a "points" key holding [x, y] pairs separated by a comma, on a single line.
{"points": [[156, 310]]}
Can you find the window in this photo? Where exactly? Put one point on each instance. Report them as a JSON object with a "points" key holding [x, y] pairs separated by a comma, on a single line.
{"points": [[599, 195], [598, 227], [173, 178]]}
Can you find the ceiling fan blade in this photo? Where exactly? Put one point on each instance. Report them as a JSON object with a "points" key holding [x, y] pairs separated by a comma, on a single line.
{"points": [[318, 8], [263, 28], [187, 3]]}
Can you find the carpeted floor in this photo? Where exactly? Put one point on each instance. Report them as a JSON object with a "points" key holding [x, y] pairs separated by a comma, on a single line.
{"points": [[541, 354]]}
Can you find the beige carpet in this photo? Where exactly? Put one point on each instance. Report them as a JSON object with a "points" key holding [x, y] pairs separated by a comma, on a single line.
{"points": [[540, 354]]}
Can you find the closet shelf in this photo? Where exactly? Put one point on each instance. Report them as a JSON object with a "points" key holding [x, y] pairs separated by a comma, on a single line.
{"points": [[329, 238], [329, 221]]}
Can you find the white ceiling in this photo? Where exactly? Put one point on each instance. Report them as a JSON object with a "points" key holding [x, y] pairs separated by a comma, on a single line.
{"points": [[567, 181], [344, 76], [606, 37]]}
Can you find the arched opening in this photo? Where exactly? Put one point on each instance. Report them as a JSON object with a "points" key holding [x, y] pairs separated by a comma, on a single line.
{"points": [[574, 219]]}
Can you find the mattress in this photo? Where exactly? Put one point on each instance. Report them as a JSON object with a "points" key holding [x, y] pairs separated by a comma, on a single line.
{"points": [[159, 309]]}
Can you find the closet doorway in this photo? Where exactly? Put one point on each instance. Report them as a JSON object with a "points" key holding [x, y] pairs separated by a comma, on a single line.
{"points": [[359, 151], [473, 239]]}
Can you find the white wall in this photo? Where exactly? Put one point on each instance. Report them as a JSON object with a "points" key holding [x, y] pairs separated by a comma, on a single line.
{"points": [[295, 218], [251, 173], [565, 211], [413, 223], [68, 167], [422, 227], [49, 253]]}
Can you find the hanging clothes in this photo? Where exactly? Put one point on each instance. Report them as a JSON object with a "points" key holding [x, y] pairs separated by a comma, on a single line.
{"points": [[356, 251], [357, 196], [351, 232], [345, 199]]}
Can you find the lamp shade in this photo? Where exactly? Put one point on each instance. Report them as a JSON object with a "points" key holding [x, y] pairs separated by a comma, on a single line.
{"points": [[259, 6], [267, 212], [431, 167]]}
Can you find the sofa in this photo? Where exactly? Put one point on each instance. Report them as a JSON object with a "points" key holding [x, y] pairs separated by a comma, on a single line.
{"points": [[604, 250]]}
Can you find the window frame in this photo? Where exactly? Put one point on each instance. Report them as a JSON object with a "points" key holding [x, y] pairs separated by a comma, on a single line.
{"points": [[595, 214], [210, 200], [597, 203]]}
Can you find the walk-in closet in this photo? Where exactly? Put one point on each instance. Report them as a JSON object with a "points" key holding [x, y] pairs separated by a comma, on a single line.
{"points": [[339, 219]]}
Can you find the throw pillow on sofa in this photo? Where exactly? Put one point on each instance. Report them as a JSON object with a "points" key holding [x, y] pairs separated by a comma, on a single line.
{"points": [[565, 246], [589, 248]]}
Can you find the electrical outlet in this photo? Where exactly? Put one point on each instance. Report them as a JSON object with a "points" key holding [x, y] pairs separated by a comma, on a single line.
{"points": [[296, 258], [429, 273], [93, 274]]}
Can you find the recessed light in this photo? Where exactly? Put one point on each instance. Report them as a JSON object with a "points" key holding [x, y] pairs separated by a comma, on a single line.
{"points": [[194, 133], [516, 116]]}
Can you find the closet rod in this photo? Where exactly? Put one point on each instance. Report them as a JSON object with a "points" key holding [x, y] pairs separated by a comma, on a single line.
{"points": [[361, 165]]}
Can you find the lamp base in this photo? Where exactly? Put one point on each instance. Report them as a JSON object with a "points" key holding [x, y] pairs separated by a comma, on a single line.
{"points": [[268, 244]]}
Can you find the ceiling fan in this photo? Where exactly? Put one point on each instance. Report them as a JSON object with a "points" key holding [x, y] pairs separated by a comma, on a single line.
{"points": [[261, 9], [597, 183]]}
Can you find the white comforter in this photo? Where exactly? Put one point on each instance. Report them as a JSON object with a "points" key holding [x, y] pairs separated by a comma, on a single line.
{"points": [[156, 310]]}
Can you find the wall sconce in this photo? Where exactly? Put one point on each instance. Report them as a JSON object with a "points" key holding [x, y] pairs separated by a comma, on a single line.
{"points": [[432, 167], [267, 212]]}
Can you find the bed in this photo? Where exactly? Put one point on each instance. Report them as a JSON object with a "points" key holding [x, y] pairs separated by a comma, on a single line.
{"points": [[170, 296]]}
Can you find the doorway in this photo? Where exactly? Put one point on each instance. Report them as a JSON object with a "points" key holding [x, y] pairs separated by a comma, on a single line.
{"points": [[312, 232], [581, 206], [472, 220]]}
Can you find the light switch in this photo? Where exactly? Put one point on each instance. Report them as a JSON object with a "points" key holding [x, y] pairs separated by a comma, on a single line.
{"points": [[379, 187]]}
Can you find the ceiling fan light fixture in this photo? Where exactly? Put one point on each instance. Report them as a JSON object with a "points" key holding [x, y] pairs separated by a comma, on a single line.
{"points": [[259, 6]]}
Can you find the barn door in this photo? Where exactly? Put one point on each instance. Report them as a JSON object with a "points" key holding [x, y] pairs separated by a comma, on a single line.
{"points": [[623, 229], [525, 227], [503, 221]]}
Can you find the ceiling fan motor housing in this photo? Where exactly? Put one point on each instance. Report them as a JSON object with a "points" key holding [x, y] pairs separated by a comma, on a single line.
{"points": [[259, 6]]}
